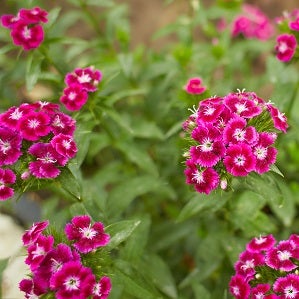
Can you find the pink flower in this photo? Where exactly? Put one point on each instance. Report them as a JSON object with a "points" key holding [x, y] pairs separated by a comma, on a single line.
{"points": [[34, 125], [238, 287], [265, 154], [287, 287], [279, 119], [30, 288], [9, 21], [73, 280], [101, 289], [64, 145], [87, 237], [46, 107], [204, 180], [47, 161], [29, 37], [38, 251], [194, 86], [286, 45], [63, 123], [33, 15], [7, 177], [11, 117], [31, 235], [10, 146], [239, 159], [74, 97], [210, 110], [88, 78], [261, 291], [262, 243]]}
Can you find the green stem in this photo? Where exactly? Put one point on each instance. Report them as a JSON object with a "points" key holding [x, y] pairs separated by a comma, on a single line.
{"points": [[292, 101]]}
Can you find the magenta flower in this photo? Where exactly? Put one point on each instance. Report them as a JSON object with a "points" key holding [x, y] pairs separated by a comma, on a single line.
{"points": [[285, 48], [29, 37], [9, 21], [262, 243], [262, 291], [34, 125], [294, 25], [87, 237], [7, 177], [210, 110], [279, 119], [46, 107], [47, 161], [73, 280], [265, 153], [239, 287], [239, 159], [10, 146], [210, 148], [11, 117], [38, 251], [287, 287], [88, 78], [101, 289], [63, 123], [204, 180], [33, 15], [64, 145], [194, 86], [30, 288], [74, 97], [31, 235]]}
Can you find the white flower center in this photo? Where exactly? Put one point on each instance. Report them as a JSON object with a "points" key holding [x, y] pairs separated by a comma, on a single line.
{"points": [[16, 114], [72, 283], [261, 152], [97, 290], [88, 232], [282, 47], [284, 255], [198, 177], [239, 134], [239, 160], [26, 33], [209, 111], [84, 78], [207, 145], [57, 122], [47, 159], [248, 265], [66, 144], [260, 240], [72, 96], [290, 292], [4, 146], [38, 251], [240, 108], [33, 123], [260, 296]]}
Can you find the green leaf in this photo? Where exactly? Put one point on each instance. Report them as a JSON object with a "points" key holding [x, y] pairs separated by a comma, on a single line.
{"points": [[275, 169], [200, 291], [33, 70], [124, 94], [120, 231], [52, 16]]}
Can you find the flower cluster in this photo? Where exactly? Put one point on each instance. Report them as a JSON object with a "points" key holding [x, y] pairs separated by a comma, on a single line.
{"points": [[64, 269], [286, 43], [79, 83], [231, 136], [267, 270], [35, 139], [252, 23], [25, 28]]}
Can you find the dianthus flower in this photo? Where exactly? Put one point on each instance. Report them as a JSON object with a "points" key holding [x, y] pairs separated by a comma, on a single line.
{"points": [[87, 237], [74, 97], [31, 235], [252, 23], [267, 270], [230, 136], [102, 288], [286, 45], [25, 28], [7, 178], [194, 86]]}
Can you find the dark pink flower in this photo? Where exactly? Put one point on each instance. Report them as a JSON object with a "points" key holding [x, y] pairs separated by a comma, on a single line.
{"points": [[261, 291], [287, 287], [286, 45], [63, 123], [64, 145], [46, 107], [209, 111], [30, 288], [194, 86], [34, 125], [294, 25], [31, 235], [101, 289], [210, 148], [237, 131], [204, 180], [87, 237], [239, 159], [29, 37], [47, 161], [88, 78], [262, 243], [33, 15], [10, 146], [74, 97], [38, 250], [9, 21], [73, 280], [238, 287], [265, 153], [279, 119], [7, 177], [11, 117]]}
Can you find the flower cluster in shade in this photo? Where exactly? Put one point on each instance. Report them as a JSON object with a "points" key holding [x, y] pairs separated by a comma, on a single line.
{"points": [[230, 136], [252, 23], [267, 269], [63, 269], [287, 42], [25, 28], [36, 140], [79, 83]]}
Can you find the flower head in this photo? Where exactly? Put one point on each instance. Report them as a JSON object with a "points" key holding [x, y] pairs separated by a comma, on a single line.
{"points": [[31, 235], [7, 177], [285, 48], [194, 86], [74, 97], [102, 288]]}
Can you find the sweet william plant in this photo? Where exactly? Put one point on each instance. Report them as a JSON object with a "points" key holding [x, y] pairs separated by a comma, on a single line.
{"points": [[132, 205]]}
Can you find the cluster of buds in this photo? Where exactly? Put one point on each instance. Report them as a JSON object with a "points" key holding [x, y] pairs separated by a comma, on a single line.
{"points": [[66, 269], [79, 83], [230, 136], [35, 140], [286, 43], [25, 28], [267, 270]]}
